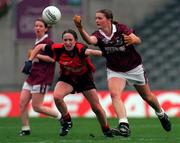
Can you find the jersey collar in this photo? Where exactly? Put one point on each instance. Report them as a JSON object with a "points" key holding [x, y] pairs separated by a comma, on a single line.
{"points": [[114, 29], [41, 39]]}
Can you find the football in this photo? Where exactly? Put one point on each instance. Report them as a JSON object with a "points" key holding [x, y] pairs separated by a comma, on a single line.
{"points": [[51, 15]]}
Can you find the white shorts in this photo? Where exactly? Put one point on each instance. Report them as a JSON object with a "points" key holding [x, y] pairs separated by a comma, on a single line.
{"points": [[36, 88], [135, 76]]}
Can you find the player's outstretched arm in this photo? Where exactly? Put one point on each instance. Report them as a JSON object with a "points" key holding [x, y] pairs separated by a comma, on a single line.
{"points": [[89, 39], [36, 50], [45, 58], [28, 64], [91, 52]]}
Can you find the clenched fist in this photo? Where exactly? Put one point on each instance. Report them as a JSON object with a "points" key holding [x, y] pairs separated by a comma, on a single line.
{"points": [[77, 21]]}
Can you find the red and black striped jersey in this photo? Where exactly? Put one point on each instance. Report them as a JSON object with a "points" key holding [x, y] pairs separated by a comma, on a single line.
{"points": [[73, 62]]}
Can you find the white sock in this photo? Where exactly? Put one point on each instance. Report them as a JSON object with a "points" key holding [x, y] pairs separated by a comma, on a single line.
{"points": [[124, 120], [160, 114], [59, 116], [25, 128]]}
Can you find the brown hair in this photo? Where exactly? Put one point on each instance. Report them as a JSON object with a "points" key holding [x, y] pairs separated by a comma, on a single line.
{"points": [[71, 32], [45, 24], [107, 13]]}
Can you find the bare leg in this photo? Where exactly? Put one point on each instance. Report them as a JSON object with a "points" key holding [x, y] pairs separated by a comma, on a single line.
{"points": [[24, 100], [37, 103], [61, 90], [116, 87], [91, 96], [149, 97]]}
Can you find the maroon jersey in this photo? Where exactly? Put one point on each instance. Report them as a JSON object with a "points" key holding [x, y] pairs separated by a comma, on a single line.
{"points": [[42, 72], [118, 56], [73, 62]]}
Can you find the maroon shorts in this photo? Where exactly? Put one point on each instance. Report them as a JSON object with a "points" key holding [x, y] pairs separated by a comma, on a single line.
{"points": [[79, 83]]}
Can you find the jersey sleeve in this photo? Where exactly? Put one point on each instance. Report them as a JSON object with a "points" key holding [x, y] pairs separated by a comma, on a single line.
{"points": [[125, 29], [48, 50], [82, 51]]}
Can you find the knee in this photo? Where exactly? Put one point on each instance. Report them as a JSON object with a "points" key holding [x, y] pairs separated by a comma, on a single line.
{"points": [[115, 96], [58, 98]]}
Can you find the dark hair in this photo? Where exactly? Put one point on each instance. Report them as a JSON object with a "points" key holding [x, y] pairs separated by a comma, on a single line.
{"points": [[107, 13], [40, 19], [71, 32]]}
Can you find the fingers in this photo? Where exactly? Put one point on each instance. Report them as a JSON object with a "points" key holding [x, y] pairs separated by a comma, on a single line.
{"points": [[127, 39], [77, 21]]}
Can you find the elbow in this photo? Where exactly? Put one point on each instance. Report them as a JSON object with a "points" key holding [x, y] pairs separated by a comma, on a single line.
{"points": [[89, 43], [137, 41]]}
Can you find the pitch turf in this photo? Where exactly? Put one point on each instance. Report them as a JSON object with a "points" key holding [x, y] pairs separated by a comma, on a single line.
{"points": [[45, 130]]}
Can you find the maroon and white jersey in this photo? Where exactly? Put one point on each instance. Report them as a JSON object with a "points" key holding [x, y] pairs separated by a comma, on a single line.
{"points": [[118, 56], [42, 72]]}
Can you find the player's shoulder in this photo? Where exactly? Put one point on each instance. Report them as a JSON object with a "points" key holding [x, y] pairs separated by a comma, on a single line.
{"points": [[119, 25], [124, 28], [80, 45], [57, 45], [48, 41], [95, 33]]}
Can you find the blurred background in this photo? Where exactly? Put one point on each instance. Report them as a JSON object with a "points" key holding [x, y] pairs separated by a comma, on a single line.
{"points": [[157, 22]]}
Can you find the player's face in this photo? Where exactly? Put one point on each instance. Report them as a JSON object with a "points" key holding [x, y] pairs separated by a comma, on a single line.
{"points": [[40, 29], [69, 41], [101, 21]]}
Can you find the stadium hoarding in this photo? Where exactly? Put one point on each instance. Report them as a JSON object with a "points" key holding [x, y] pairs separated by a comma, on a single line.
{"points": [[70, 7], [26, 13], [79, 107]]}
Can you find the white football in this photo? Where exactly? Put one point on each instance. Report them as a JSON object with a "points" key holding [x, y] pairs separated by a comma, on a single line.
{"points": [[51, 15]]}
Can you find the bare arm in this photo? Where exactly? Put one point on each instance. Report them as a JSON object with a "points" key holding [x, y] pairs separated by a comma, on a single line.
{"points": [[90, 52], [36, 50], [28, 64], [45, 58], [89, 39], [131, 39]]}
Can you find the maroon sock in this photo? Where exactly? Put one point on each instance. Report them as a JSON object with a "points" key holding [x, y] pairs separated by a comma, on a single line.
{"points": [[67, 117], [105, 128]]}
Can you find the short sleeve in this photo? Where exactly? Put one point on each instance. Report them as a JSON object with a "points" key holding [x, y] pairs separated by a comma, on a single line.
{"points": [[82, 51], [125, 29], [48, 50]]}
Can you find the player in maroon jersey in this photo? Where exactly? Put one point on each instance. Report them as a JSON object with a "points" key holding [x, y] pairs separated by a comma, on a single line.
{"points": [[117, 43], [76, 75], [38, 81]]}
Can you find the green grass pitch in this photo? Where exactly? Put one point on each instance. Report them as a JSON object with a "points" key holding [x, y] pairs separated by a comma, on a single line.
{"points": [[45, 130]]}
